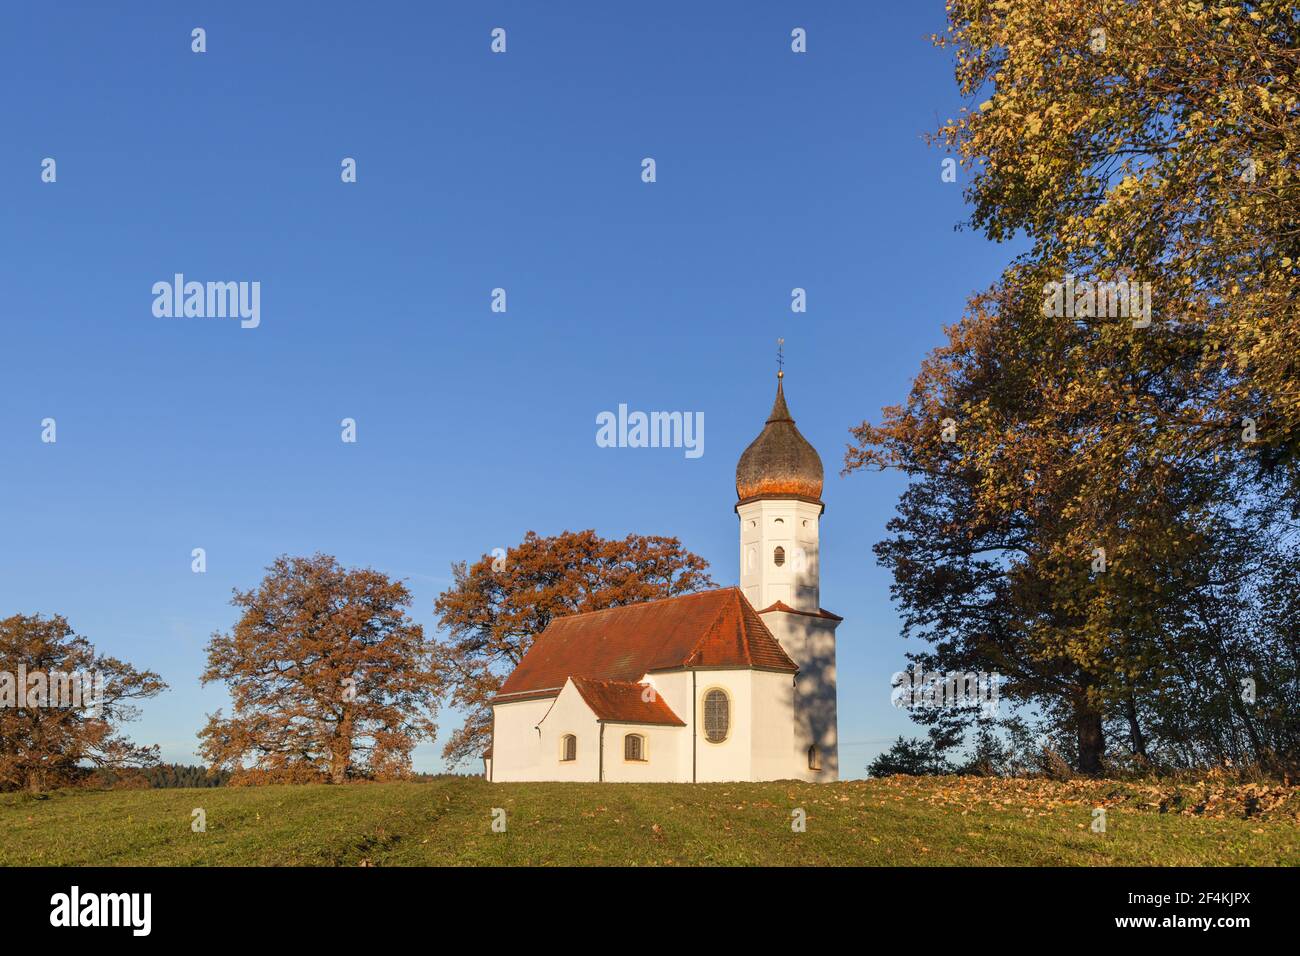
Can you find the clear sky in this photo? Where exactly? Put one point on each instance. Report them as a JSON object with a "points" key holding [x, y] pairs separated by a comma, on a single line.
{"points": [[475, 171]]}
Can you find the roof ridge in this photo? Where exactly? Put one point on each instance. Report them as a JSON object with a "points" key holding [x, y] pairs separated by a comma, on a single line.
{"points": [[660, 600], [747, 616], [608, 680], [706, 632], [782, 606], [748, 610]]}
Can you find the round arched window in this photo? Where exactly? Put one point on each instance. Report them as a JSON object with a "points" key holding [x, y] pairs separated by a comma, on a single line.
{"points": [[717, 716], [778, 556]]}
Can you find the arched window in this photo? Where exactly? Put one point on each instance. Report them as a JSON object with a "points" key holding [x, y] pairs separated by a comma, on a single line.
{"points": [[717, 716], [814, 758], [634, 747], [778, 556], [568, 747]]}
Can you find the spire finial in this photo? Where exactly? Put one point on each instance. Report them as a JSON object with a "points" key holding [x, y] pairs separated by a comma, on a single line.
{"points": [[780, 358]]}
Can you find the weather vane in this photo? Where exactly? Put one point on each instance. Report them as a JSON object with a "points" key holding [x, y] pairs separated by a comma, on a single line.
{"points": [[780, 358]]}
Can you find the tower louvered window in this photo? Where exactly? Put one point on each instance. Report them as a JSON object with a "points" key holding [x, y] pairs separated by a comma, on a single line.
{"points": [[717, 716], [569, 748]]}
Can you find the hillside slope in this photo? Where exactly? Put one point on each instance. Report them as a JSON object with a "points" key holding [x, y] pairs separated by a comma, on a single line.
{"points": [[898, 821]]}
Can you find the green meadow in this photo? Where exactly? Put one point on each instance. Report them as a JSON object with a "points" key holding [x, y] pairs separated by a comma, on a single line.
{"points": [[897, 821]]}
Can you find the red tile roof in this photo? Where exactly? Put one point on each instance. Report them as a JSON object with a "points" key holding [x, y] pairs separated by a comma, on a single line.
{"points": [[820, 612], [709, 629], [625, 703]]}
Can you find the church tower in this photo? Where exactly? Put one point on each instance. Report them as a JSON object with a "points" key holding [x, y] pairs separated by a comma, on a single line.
{"points": [[778, 487], [779, 484]]}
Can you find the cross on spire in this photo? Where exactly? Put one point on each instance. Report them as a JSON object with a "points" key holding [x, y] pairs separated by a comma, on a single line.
{"points": [[780, 358]]}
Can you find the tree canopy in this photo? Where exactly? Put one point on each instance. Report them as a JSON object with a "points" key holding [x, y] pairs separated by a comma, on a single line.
{"points": [[329, 677], [64, 717], [1090, 480]]}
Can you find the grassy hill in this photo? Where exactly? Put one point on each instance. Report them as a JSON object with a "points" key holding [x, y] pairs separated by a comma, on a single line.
{"points": [[900, 821]]}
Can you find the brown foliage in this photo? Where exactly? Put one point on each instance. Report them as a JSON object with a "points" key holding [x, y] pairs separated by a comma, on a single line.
{"points": [[328, 677], [497, 606], [45, 746]]}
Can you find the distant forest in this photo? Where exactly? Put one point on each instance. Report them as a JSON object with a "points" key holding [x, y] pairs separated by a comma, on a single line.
{"points": [[167, 775], [157, 777]]}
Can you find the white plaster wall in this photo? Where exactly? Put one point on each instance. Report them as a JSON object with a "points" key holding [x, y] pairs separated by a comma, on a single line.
{"points": [[732, 759], [514, 740], [674, 688], [662, 749], [569, 715], [810, 642], [772, 723], [772, 718], [790, 524]]}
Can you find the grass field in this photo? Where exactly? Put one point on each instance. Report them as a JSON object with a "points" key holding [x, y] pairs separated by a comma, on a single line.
{"points": [[897, 821]]}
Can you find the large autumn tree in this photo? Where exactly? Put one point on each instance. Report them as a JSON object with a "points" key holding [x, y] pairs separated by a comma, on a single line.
{"points": [[1151, 142], [44, 741], [1034, 542], [329, 678], [498, 604]]}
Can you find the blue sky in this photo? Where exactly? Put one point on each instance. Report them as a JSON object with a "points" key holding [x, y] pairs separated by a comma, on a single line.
{"points": [[475, 171]]}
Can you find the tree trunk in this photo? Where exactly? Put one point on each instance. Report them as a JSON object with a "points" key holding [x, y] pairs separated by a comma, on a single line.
{"points": [[340, 757], [341, 751], [1136, 739], [1092, 742]]}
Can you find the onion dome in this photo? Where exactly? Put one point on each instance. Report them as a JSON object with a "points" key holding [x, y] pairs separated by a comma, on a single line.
{"points": [[779, 463]]}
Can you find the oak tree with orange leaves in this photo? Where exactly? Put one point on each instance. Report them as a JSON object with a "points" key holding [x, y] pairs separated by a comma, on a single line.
{"points": [[329, 677], [498, 604], [45, 741]]}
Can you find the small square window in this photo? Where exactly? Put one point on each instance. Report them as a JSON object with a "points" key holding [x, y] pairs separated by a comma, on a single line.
{"points": [[634, 747]]}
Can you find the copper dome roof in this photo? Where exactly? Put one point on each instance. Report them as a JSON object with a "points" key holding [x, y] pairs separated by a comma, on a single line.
{"points": [[779, 463]]}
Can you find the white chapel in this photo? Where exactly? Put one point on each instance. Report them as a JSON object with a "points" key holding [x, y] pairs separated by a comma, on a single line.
{"points": [[730, 684]]}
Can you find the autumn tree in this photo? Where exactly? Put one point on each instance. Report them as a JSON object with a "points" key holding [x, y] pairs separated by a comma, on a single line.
{"points": [[328, 676], [1157, 140], [1045, 537], [497, 605], [62, 705], [1088, 480]]}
